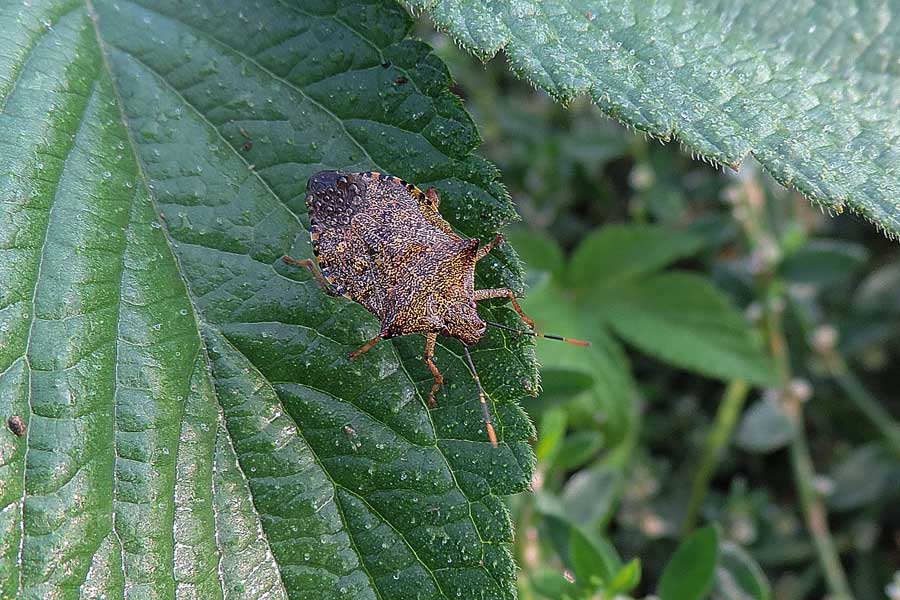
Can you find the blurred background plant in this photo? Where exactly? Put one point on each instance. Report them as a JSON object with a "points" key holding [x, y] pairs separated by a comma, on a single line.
{"points": [[733, 431]]}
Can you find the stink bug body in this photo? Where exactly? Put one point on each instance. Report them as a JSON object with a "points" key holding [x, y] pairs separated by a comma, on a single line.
{"points": [[381, 242]]}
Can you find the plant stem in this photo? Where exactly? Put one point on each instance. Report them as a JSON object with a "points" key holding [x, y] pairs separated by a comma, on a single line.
{"points": [[750, 204], [726, 417], [864, 401], [817, 518], [856, 392], [804, 474]]}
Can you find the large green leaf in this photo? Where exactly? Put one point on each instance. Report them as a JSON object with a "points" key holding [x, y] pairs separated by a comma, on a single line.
{"points": [[194, 425], [810, 90]]}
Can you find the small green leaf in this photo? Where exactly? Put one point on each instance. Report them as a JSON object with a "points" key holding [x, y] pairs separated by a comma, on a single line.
{"points": [[738, 577], [683, 319], [870, 473], [824, 262], [589, 495], [617, 253], [587, 562], [764, 427], [596, 557], [613, 390], [689, 573], [578, 448], [553, 585], [550, 433], [626, 579], [555, 313]]}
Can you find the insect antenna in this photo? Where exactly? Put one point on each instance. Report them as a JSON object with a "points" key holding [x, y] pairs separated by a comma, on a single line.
{"points": [[546, 336], [482, 398]]}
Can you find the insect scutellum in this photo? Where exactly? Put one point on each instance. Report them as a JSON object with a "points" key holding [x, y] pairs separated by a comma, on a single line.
{"points": [[381, 242]]}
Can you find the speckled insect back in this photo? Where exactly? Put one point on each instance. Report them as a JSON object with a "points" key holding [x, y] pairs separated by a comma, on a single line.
{"points": [[381, 242]]}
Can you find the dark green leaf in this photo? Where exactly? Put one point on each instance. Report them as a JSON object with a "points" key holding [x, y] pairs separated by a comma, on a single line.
{"points": [[195, 427], [689, 573], [870, 473], [563, 384], [879, 293], [682, 319], [874, 317], [738, 577], [765, 427], [823, 262], [617, 253], [725, 80]]}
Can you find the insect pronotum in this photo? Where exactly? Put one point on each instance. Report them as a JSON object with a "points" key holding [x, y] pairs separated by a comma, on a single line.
{"points": [[381, 242]]}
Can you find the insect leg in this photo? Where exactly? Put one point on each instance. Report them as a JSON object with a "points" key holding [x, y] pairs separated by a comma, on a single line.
{"points": [[430, 341], [484, 250], [366, 347], [308, 263], [505, 293]]}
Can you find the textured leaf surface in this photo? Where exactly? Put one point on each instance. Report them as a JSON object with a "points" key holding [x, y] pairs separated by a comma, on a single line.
{"points": [[194, 426], [812, 90]]}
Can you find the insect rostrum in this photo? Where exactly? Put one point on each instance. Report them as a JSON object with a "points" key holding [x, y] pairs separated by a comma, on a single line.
{"points": [[381, 242]]}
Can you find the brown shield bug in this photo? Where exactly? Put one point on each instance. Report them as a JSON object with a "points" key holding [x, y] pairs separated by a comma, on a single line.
{"points": [[381, 242]]}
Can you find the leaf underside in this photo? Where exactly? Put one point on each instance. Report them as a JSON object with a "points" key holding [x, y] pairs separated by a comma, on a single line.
{"points": [[194, 426], [812, 90]]}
